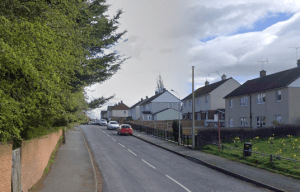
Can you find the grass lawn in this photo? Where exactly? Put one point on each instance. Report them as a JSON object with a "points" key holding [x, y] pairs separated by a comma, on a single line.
{"points": [[288, 147]]}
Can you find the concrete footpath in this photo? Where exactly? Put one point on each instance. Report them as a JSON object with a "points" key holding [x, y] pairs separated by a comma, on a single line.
{"points": [[260, 177], [72, 170]]}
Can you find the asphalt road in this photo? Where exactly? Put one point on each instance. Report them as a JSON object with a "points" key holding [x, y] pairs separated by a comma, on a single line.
{"points": [[129, 164]]}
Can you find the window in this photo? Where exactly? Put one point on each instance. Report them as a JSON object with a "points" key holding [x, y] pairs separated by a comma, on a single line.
{"points": [[198, 101], [230, 103], [278, 95], [149, 117], [198, 116], [243, 122], [261, 98], [147, 106], [206, 99], [190, 104], [278, 118], [184, 104], [261, 121], [230, 122], [244, 101], [124, 112]]}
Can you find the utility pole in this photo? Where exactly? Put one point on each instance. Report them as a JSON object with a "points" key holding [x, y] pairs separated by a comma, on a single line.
{"points": [[193, 110]]}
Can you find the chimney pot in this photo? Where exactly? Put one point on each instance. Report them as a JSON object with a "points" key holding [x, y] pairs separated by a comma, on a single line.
{"points": [[298, 62], [164, 89], [146, 97], [263, 73], [223, 77], [156, 92], [141, 99]]}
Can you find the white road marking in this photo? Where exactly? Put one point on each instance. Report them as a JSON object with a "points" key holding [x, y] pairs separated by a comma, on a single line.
{"points": [[113, 139], [107, 135], [121, 144], [132, 152], [178, 183], [148, 164]]}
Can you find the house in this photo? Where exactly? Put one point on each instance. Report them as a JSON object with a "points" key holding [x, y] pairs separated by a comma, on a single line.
{"points": [[209, 101], [134, 111], [161, 106], [270, 98], [117, 111], [103, 114]]}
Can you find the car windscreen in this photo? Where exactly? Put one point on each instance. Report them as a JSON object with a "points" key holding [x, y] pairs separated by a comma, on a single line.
{"points": [[113, 123], [126, 126]]}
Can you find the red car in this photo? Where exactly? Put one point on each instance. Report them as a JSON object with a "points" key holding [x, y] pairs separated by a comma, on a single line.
{"points": [[125, 129]]}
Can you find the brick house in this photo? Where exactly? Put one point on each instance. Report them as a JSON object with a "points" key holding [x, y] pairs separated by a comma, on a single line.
{"points": [[270, 98], [118, 111]]}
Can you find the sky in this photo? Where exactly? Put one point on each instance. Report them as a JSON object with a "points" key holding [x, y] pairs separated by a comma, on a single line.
{"points": [[168, 37]]}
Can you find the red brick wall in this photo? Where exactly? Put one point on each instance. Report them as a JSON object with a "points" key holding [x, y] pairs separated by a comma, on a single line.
{"points": [[5, 167], [35, 155]]}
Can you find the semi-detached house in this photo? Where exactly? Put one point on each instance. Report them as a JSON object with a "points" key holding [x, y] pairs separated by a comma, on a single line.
{"points": [[209, 100], [270, 98]]}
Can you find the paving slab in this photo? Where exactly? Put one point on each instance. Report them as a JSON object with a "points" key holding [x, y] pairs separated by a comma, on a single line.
{"points": [[72, 169]]}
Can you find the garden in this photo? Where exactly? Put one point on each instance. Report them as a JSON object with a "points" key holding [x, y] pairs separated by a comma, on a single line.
{"points": [[276, 154]]}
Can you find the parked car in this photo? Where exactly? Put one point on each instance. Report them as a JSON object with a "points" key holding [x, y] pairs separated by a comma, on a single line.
{"points": [[113, 125], [125, 129], [103, 122]]}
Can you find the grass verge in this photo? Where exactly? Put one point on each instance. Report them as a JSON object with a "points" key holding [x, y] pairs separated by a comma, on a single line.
{"points": [[288, 147]]}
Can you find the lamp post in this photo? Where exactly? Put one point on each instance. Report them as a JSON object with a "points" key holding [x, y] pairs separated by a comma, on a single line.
{"points": [[179, 136]]}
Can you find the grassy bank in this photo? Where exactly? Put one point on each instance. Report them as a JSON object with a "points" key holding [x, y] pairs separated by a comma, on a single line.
{"points": [[288, 147]]}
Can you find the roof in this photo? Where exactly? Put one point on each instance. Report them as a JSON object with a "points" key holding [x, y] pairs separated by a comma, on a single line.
{"points": [[206, 89], [133, 106], [120, 106], [273, 81], [164, 110], [153, 97]]}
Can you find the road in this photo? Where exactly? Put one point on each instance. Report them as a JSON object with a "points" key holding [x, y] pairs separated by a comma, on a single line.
{"points": [[129, 164]]}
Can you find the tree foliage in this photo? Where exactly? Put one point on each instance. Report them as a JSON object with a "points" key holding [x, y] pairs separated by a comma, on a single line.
{"points": [[49, 51]]}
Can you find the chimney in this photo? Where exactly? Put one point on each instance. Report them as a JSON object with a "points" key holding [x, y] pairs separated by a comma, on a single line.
{"points": [[164, 89], [141, 99], [206, 83], [298, 63], [146, 97], [121, 101], [223, 77], [263, 73], [156, 92]]}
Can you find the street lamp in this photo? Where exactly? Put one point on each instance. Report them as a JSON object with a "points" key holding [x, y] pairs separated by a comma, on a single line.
{"points": [[179, 136]]}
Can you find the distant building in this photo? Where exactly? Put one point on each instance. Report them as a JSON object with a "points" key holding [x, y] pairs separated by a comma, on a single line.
{"points": [[103, 114], [120, 110]]}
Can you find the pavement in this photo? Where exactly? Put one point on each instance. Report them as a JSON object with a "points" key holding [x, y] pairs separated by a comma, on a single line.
{"points": [[72, 169], [260, 177]]}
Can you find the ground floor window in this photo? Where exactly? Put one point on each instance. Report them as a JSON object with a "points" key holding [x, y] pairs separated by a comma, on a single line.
{"points": [[230, 122], [278, 118], [243, 122], [261, 121]]}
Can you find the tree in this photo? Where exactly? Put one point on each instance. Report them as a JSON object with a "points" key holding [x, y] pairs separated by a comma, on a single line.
{"points": [[50, 50]]}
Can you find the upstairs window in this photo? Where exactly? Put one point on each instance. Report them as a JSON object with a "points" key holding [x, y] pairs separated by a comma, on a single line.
{"points": [[190, 104], [124, 112], [147, 106], [244, 101], [198, 101], [278, 95], [261, 98], [230, 103], [206, 99], [184, 104]]}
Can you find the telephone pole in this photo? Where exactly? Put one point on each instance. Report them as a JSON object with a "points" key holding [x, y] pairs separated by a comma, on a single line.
{"points": [[193, 110]]}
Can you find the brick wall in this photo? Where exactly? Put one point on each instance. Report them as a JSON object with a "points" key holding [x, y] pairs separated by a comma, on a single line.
{"points": [[35, 155], [5, 167]]}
